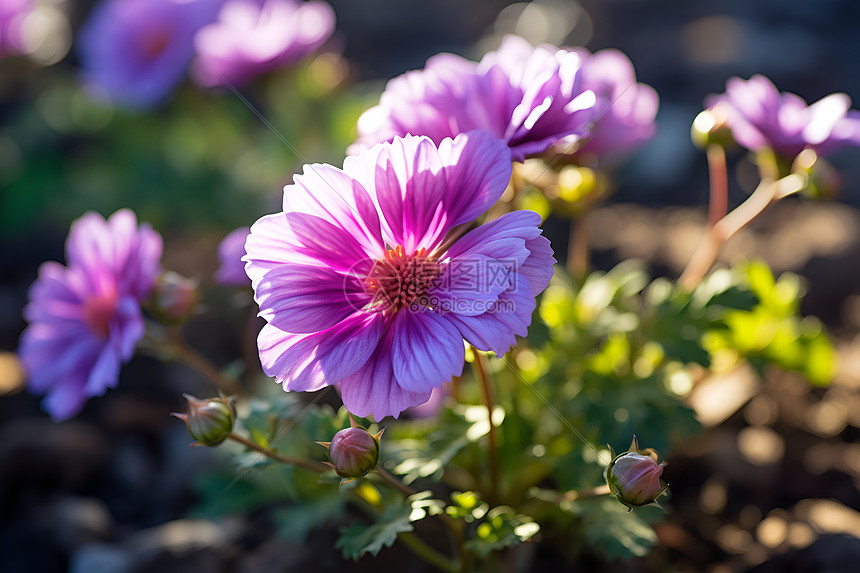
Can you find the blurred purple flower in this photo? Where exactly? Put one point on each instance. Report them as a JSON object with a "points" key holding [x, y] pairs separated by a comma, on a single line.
{"points": [[85, 318], [529, 96], [625, 110], [137, 50], [252, 37], [759, 116], [230, 253], [12, 16], [433, 405], [365, 286]]}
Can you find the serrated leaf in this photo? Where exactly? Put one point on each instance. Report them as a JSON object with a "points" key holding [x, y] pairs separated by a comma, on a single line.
{"points": [[619, 534], [358, 538]]}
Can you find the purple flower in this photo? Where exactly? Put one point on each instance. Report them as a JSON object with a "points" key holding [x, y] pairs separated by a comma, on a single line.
{"points": [[364, 281], [135, 51], [85, 318], [12, 16], [230, 253], [625, 110], [529, 96], [252, 37], [759, 117]]}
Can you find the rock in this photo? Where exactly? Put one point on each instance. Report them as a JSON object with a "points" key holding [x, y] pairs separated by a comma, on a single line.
{"points": [[79, 520], [38, 456], [99, 558], [183, 546]]}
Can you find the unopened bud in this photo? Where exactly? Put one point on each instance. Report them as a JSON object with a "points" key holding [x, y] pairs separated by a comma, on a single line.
{"points": [[354, 452], [634, 476], [210, 421], [711, 128], [576, 183], [173, 297], [823, 181]]}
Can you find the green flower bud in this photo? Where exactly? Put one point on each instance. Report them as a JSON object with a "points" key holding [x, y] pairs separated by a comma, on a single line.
{"points": [[634, 477], [210, 422], [575, 184], [823, 181], [354, 452], [711, 128]]}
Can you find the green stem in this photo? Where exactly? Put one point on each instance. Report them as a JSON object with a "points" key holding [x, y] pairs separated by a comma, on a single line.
{"points": [[585, 493], [415, 543], [719, 198], [427, 553], [578, 250], [201, 364], [394, 482], [489, 401], [420, 548], [767, 193], [277, 456]]}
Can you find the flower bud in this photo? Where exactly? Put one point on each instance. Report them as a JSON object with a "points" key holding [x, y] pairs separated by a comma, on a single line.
{"points": [[354, 452], [210, 421], [823, 181], [711, 128], [634, 477], [173, 297], [576, 183]]}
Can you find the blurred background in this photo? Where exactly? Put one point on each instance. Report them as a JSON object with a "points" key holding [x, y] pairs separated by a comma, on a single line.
{"points": [[770, 484]]}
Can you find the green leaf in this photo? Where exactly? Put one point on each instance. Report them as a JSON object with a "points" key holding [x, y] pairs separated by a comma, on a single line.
{"points": [[772, 331], [502, 528], [619, 534], [358, 538], [415, 456], [423, 504], [225, 493], [735, 297], [296, 521]]}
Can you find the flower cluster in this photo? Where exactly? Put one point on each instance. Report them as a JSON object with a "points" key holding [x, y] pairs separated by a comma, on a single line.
{"points": [[380, 278], [761, 117], [345, 275], [135, 51], [85, 318], [534, 98]]}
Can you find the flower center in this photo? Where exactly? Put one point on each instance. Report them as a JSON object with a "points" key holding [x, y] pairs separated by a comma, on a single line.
{"points": [[400, 280], [98, 312], [154, 43]]}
